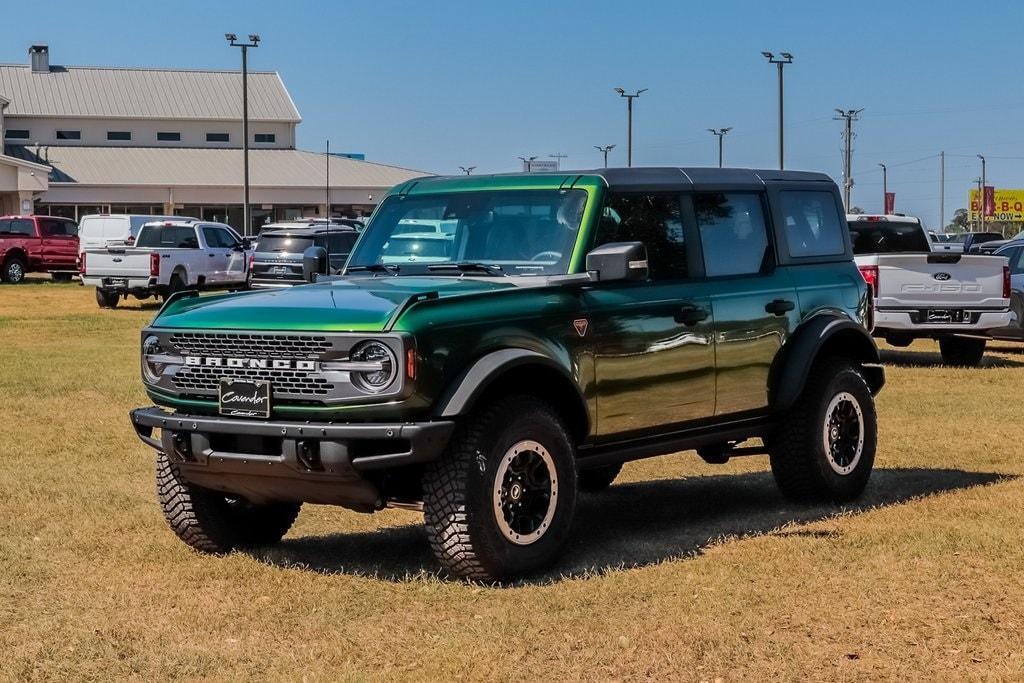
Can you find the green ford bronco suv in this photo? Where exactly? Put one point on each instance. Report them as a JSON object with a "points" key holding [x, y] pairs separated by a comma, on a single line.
{"points": [[552, 327]]}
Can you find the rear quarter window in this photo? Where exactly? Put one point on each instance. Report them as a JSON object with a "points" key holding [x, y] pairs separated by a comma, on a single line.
{"points": [[812, 223]]}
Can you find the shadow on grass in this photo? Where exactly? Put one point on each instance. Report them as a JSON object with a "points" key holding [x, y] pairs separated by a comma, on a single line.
{"points": [[919, 359], [631, 525]]}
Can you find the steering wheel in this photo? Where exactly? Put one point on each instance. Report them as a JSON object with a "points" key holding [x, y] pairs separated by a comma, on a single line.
{"points": [[547, 256]]}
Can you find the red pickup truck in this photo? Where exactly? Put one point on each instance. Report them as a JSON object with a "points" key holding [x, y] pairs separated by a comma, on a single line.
{"points": [[45, 244]]}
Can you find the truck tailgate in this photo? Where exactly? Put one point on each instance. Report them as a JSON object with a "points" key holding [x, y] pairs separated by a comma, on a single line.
{"points": [[940, 280], [118, 262]]}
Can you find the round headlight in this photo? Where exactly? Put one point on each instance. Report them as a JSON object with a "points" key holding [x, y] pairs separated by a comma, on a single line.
{"points": [[151, 371], [382, 366]]}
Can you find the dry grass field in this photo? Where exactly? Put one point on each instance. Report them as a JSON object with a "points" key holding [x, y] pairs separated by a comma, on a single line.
{"points": [[681, 570]]}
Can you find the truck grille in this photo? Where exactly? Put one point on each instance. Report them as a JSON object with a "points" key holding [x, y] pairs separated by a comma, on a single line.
{"points": [[293, 346], [283, 382]]}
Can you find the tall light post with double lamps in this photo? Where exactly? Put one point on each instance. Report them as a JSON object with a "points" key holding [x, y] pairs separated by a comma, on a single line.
{"points": [[781, 61], [604, 149], [721, 133], [254, 41], [528, 163], [629, 120], [468, 170]]}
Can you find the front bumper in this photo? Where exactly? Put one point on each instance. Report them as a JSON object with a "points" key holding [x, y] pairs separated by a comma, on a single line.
{"points": [[268, 460], [906, 321]]}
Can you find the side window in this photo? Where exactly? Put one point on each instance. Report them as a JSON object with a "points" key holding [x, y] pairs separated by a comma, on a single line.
{"points": [[812, 223], [5, 227], [227, 240], [1016, 257], [733, 235], [52, 227], [212, 238], [655, 220], [22, 227], [341, 242]]}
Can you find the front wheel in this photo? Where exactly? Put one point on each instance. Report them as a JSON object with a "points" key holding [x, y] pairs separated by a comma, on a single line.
{"points": [[213, 522], [500, 502], [962, 351], [13, 270], [824, 447]]}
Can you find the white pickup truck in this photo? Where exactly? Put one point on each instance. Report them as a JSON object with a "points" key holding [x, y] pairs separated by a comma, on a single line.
{"points": [[920, 293], [168, 256]]}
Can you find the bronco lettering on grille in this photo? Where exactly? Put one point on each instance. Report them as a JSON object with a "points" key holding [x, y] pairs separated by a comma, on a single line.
{"points": [[251, 363]]}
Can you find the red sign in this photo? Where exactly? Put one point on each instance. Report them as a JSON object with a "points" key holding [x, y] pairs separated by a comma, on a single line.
{"points": [[990, 201], [890, 202]]}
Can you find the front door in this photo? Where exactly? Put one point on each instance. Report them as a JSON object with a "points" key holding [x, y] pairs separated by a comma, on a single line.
{"points": [[653, 341], [754, 301], [216, 255]]}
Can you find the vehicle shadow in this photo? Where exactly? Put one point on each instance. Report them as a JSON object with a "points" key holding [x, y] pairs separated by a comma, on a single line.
{"points": [[631, 524], [922, 359]]}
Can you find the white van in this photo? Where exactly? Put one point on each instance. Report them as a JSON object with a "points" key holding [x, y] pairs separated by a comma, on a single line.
{"points": [[99, 230]]}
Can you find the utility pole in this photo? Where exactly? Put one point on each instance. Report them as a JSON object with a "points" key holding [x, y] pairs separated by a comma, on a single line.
{"points": [[558, 156], [720, 132], [942, 191], [254, 41], [629, 121], [885, 187], [849, 116], [604, 150], [981, 196], [782, 60], [468, 170], [528, 162]]}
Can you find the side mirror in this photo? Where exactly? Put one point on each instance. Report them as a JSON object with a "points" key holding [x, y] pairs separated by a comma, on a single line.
{"points": [[618, 261], [246, 244], [314, 263]]}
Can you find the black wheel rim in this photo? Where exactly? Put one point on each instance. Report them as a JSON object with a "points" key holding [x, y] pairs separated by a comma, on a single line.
{"points": [[843, 433], [525, 492]]}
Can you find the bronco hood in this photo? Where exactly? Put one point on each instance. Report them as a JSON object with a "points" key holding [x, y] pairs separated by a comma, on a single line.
{"points": [[356, 304]]}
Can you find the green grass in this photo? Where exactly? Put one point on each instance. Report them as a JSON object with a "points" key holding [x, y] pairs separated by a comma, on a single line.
{"points": [[680, 570]]}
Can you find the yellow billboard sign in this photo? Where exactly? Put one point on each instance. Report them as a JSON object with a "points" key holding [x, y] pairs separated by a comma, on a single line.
{"points": [[1007, 205]]}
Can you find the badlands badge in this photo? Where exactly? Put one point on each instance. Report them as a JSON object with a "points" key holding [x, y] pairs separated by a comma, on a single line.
{"points": [[581, 325]]}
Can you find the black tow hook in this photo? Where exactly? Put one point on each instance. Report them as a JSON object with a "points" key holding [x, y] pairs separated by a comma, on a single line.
{"points": [[182, 443]]}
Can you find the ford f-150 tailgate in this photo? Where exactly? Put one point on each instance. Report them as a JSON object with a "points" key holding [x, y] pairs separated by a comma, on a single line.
{"points": [[939, 281], [118, 262]]}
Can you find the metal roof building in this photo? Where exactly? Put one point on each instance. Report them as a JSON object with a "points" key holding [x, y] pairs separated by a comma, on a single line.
{"points": [[81, 140]]}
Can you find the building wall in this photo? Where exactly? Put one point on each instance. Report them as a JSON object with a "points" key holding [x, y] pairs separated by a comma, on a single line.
{"points": [[43, 131]]}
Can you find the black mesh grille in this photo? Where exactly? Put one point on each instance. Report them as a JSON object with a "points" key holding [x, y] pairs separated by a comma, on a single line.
{"points": [[288, 382], [292, 346]]}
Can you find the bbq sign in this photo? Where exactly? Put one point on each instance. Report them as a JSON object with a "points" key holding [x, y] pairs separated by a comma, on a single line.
{"points": [[1000, 205]]}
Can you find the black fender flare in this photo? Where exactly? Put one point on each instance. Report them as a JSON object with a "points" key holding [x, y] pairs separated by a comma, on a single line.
{"points": [[829, 333], [462, 394]]}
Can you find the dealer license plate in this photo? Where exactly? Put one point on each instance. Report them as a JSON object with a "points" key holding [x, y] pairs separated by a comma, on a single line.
{"points": [[241, 398]]}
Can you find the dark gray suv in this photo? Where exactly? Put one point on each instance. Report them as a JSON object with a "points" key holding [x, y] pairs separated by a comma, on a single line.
{"points": [[277, 259]]}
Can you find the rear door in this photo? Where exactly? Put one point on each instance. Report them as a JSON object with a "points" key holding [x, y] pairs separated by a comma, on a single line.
{"points": [[59, 238]]}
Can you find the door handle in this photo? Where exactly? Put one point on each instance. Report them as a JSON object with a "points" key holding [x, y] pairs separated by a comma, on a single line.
{"points": [[779, 307], [691, 315], [213, 255]]}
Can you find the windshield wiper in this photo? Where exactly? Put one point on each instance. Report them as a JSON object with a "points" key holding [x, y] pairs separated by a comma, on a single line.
{"points": [[469, 267], [375, 268]]}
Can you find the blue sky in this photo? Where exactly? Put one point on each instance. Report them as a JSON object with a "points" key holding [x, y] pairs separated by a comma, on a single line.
{"points": [[435, 85]]}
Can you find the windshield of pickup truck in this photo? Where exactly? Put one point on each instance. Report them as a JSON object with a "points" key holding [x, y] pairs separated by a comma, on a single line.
{"points": [[887, 238], [492, 232]]}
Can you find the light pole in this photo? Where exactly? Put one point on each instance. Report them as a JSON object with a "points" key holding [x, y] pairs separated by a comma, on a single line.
{"points": [[528, 162], [254, 41], [720, 132], [629, 121], [604, 150], [981, 195], [885, 188], [849, 116], [558, 156], [782, 60], [468, 170]]}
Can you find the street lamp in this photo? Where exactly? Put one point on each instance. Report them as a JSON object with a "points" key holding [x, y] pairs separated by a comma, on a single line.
{"points": [[981, 196], [885, 188], [782, 60], [720, 132], [629, 118], [468, 170], [254, 41], [528, 162], [604, 150]]}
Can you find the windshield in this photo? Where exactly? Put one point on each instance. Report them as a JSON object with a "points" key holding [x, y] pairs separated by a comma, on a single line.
{"points": [[886, 238], [518, 232]]}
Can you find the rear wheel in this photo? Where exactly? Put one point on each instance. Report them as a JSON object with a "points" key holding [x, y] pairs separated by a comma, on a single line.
{"points": [[597, 478], [824, 448], [106, 298], [962, 351], [500, 503], [13, 270], [213, 522]]}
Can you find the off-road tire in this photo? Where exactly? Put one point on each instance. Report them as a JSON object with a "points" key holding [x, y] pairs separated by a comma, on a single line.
{"points": [[962, 351], [175, 284], [210, 522], [597, 479], [107, 299], [458, 491], [797, 447], [13, 270]]}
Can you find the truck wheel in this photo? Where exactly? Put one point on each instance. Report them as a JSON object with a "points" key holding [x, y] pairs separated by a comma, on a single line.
{"points": [[597, 478], [175, 285], [212, 522], [962, 351], [13, 270], [107, 299], [500, 502], [824, 448]]}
